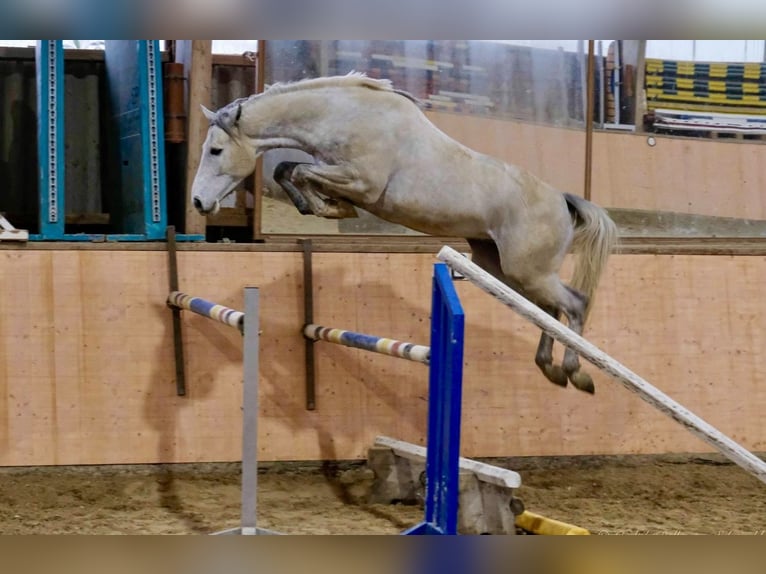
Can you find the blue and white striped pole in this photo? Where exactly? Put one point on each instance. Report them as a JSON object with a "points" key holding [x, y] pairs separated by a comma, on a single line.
{"points": [[382, 345], [207, 309]]}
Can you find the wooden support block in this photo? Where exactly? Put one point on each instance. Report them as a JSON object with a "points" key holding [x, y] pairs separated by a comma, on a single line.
{"points": [[397, 479], [486, 502], [485, 508]]}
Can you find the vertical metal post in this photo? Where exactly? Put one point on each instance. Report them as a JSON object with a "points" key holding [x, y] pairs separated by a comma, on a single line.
{"points": [[445, 391], [150, 83], [50, 137], [308, 318], [250, 412]]}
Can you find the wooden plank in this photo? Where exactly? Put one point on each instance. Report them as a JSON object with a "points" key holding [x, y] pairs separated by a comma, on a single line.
{"points": [[484, 472], [196, 56], [75, 392], [639, 96], [239, 60], [230, 217], [28, 369], [258, 176], [87, 218], [639, 245], [684, 175]]}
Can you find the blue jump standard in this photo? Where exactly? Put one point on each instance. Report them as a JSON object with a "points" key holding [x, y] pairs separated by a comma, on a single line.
{"points": [[445, 390]]}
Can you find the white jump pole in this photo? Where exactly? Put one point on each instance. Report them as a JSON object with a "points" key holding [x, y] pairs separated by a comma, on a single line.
{"points": [[630, 380]]}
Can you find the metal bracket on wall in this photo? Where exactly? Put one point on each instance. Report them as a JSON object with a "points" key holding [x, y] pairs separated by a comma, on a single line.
{"points": [[308, 318], [178, 342]]}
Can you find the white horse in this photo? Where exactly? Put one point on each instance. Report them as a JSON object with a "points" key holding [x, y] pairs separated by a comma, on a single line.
{"points": [[374, 148]]}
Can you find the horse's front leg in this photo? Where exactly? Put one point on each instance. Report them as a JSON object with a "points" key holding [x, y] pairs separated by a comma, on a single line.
{"points": [[282, 174], [301, 191]]}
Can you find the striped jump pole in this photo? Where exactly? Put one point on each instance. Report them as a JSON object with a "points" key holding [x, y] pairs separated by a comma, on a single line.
{"points": [[382, 345], [627, 378], [207, 309]]}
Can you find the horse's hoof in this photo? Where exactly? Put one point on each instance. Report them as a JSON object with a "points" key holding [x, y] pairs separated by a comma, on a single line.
{"points": [[555, 374], [582, 381]]}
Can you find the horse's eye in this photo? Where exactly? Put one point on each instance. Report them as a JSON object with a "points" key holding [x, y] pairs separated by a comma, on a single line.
{"points": [[215, 151]]}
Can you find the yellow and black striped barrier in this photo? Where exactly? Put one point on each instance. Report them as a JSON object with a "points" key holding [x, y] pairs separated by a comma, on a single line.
{"points": [[727, 87], [730, 71]]}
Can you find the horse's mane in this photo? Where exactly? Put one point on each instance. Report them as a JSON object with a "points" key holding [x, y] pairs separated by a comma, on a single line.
{"points": [[352, 79]]}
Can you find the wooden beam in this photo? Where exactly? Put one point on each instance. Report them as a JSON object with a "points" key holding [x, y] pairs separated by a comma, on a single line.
{"points": [[260, 79], [197, 58], [230, 217], [484, 472], [639, 96], [728, 246], [589, 105]]}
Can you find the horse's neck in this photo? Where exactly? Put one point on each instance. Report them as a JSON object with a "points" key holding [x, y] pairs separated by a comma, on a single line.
{"points": [[286, 115]]}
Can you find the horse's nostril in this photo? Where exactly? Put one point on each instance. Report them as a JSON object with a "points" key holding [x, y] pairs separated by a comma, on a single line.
{"points": [[197, 203]]}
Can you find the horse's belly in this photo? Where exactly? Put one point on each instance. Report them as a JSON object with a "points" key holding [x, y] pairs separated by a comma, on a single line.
{"points": [[450, 220]]}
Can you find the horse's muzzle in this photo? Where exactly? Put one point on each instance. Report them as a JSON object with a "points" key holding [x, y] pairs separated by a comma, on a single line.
{"points": [[202, 208]]}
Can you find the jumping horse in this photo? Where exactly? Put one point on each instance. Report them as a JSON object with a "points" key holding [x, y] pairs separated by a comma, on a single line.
{"points": [[374, 148]]}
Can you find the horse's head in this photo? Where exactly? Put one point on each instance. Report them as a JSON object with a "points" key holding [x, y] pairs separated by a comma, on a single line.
{"points": [[227, 158]]}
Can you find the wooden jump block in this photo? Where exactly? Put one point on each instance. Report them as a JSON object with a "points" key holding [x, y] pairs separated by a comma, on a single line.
{"points": [[486, 493]]}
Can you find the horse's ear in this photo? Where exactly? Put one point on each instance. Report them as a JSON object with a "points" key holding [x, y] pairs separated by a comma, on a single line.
{"points": [[208, 114]]}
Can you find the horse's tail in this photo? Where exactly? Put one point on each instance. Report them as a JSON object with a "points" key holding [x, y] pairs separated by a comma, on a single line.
{"points": [[595, 237]]}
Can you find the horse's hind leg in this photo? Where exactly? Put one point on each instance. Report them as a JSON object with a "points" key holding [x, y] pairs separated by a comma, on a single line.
{"points": [[573, 304], [544, 354], [575, 312], [485, 255], [532, 261]]}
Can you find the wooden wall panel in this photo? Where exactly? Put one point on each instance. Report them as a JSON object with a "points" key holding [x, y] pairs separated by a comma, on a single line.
{"points": [[556, 155], [704, 177], [87, 363]]}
